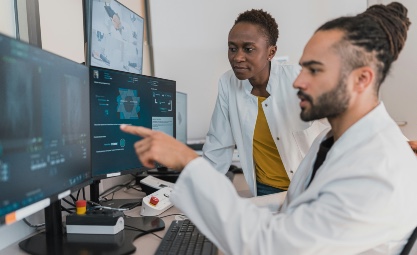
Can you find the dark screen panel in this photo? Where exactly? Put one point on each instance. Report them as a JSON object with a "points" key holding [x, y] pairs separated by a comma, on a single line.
{"points": [[44, 125], [126, 98]]}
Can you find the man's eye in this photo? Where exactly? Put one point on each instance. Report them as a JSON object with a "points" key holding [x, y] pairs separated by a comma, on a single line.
{"points": [[313, 70], [232, 49], [248, 49]]}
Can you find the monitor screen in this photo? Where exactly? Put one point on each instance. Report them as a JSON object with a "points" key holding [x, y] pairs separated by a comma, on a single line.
{"points": [[181, 116], [114, 36], [126, 98], [44, 128]]}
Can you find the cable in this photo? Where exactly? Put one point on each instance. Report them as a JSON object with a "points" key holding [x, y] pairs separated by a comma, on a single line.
{"points": [[146, 232], [84, 193], [68, 202], [31, 225], [174, 214], [112, 189], [116, 188], [67, 210], [78, 193], [74, 199]]}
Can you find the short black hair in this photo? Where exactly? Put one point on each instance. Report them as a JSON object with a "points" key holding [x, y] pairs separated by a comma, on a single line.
{"points": [[263, 19]]}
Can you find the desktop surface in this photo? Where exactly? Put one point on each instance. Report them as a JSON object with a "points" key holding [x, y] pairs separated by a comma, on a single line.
{"points": [[147, 244]]}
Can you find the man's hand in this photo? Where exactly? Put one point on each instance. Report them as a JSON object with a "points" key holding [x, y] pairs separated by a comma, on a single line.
{"points": [[160, 147], [413, 145]]}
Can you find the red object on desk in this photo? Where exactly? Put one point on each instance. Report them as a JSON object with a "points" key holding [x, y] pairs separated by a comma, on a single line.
{"points": [[81, 207], [154, 201]]}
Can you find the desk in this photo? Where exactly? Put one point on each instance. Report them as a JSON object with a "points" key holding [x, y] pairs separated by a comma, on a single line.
{"points": [[149, 243]]}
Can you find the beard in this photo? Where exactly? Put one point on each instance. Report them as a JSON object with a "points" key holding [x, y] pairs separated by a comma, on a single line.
{"points": [[328, 105]]}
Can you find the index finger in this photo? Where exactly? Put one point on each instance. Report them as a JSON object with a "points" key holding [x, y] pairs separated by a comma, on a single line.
{"points": [[135, 130]]}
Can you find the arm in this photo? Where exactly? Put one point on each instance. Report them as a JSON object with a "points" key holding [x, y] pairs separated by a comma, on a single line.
{"points": [[413, 145], [337, 220], [273, 201], [329, 224], [219, 145]]}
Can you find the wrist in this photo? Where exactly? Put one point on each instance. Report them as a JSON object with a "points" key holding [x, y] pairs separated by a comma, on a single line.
{"points": [[189, 156]]}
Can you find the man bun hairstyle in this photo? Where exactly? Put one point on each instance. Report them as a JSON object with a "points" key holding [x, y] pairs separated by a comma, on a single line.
{"points": [[395, 23], [379, 35], [263, 19]]}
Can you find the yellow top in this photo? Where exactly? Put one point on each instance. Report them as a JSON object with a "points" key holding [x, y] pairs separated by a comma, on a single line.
{"points": [[268, 163]]}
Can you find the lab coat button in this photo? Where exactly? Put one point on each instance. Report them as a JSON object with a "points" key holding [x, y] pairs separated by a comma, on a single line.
{"points": [[291, 171], [266, 105], [277, 138]]}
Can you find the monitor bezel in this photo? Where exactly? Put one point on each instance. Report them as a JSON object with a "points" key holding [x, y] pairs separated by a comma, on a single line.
{"points": [[87, 21], [186, 112]]}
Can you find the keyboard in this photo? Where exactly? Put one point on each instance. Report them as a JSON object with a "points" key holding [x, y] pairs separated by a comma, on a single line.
{"points": [[183, 238]]}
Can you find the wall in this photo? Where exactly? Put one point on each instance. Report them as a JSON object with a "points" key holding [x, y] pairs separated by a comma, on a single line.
{"points": [[399, 90], [190, 42], [7, 21]]}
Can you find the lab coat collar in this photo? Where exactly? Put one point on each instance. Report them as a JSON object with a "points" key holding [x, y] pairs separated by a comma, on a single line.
{"points": [[248, 87], [367, 126]]}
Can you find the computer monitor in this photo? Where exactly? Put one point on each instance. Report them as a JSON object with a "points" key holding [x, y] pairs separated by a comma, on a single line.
{"points": [[181, 116], [44, 130], [114, 36], [125, 98]]}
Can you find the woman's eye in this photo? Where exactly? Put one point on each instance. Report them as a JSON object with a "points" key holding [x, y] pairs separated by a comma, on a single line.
{"points": [[248, 49], [232, 49]]}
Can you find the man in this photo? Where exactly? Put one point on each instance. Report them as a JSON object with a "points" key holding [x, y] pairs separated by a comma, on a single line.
{"points": [[354, 192]]}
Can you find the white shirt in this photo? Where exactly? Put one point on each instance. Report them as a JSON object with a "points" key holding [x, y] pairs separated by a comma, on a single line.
{"points": [[234, 118], [361, 201]]}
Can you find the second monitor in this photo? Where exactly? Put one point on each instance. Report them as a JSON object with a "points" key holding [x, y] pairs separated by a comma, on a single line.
{"points": [[125, 98], [181, 117]]}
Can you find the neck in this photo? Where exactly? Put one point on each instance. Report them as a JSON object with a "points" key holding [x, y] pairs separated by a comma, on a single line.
{"points": [[354, 113], [260, 81]]}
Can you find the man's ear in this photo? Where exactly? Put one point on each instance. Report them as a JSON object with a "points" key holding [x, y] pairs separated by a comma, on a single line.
{"points": [[363, 78]]}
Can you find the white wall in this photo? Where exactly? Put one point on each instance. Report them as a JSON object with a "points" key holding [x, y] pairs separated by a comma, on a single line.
{"points": [[7, 18], [190, 42], [399, 91], [61, 24]]}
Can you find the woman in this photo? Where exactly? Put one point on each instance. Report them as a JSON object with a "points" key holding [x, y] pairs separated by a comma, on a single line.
{"points": [[257, 109]]}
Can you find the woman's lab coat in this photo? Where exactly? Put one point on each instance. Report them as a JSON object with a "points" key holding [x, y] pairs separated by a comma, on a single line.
{"points": [[361, 201], [234, 118]]}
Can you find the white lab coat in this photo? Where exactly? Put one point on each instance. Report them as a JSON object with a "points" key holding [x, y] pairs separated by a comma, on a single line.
{"points": [[361, 201], [234, 118]]}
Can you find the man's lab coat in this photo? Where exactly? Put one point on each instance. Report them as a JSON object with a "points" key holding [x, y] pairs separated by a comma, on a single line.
{"points": [[361, 201]]}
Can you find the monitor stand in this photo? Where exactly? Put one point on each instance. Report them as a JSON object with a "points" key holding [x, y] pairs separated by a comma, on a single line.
{"points": [[54, 241], [114, 203]]}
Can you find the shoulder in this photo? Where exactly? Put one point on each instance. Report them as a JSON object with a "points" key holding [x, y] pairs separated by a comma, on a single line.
{"points": [[284, 69], [283, 76], [228, 76], [229, 81]]}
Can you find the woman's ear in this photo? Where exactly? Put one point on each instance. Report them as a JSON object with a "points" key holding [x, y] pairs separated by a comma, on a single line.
{"points": [[272, 52]]}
